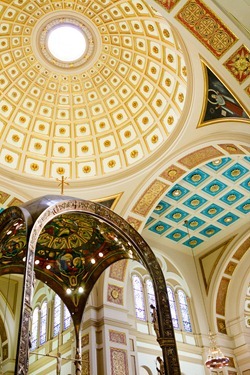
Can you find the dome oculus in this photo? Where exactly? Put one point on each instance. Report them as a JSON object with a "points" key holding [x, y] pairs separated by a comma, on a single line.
{"points": [[66, 42]]}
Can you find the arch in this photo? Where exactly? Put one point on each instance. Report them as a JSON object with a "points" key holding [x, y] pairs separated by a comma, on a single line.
{"points": [[235, 301], [181, 282], [145, 370], [132, 246], [40, 294], [224, 308]]}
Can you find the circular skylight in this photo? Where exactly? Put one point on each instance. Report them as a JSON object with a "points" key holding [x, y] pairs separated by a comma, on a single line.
{"points": [[66, 42]]}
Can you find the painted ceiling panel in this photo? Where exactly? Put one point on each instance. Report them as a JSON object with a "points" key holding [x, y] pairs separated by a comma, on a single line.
{"points": [[97, 115], [204, 202]]}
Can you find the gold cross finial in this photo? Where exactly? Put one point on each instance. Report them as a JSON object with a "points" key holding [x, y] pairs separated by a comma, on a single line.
{"points": [[62, 183]]}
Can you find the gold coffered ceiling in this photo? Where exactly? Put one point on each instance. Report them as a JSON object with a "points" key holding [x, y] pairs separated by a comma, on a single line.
{"points": [[96, 119]]}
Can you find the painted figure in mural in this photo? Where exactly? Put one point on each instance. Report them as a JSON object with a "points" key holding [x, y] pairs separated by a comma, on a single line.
{"points": [[226, 103], [70, 263], [160, 369], [220, 102], [155, 320]]}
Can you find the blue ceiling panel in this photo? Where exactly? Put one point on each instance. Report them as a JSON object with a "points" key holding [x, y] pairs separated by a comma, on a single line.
{"points": [[194, 223], [177, 235], [217, 164], [244, 207], [210, 231], [246, 184], [161, 207], [205, 203], [214, 187], [231, 197], [177, 215], [196, 177], [212, 210], [160, 227], [177, 192], [235, 172], [228, 219], [193, 242], [195, 202]]}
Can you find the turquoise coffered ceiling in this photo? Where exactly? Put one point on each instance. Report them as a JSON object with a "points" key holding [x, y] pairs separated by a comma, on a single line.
{"points": [[204, 203]]}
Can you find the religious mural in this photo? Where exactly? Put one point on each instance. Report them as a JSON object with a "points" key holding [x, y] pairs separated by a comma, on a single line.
{"points": [[69, 248], [220, 102], [71, 244], [13, 242]]}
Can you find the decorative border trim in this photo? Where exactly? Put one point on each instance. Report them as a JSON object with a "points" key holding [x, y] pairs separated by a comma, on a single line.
{"points": [[196, 17]]}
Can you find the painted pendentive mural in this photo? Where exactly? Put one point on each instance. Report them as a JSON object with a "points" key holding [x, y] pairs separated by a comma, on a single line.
{"points": [[220, 102]]}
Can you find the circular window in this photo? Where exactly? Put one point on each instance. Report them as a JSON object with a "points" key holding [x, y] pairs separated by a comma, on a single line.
{"points": [[66, 42]]}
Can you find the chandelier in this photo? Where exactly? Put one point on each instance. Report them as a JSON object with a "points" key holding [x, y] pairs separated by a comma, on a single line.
{"points": [[215, 358]]}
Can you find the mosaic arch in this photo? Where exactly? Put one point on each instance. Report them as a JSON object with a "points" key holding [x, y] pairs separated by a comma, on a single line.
{"points": [[69, 243]]}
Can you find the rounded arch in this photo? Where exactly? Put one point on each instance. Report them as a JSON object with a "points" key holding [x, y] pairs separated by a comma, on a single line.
{"points": [[162, 261], [143, 251], [181, 282], [38, 299], [41, 292], [236, 297], [131, 246], [172, 271], [226, 294], [145, 370], [96, 295]]}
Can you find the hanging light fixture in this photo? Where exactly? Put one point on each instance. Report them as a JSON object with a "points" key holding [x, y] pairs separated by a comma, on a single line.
{"points": [[215, 357]]}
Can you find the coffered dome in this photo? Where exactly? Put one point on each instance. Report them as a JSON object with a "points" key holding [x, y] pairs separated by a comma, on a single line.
{"points": [[97, 114]]}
